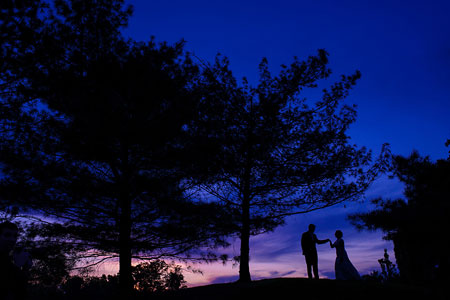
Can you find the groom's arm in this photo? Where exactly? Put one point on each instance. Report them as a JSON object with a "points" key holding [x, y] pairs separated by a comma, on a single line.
{"points": [[321, 241]]}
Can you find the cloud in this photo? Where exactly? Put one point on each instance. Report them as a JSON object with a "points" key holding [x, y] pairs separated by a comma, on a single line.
{"points": [[329, 274], [278, 274], [224, 279]]}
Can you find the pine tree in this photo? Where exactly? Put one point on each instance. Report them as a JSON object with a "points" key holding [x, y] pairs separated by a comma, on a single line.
{"points": [[100, 143], [281, 155]]}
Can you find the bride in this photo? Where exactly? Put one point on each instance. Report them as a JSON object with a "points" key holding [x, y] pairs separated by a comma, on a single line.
{"points": [[343, 267]]}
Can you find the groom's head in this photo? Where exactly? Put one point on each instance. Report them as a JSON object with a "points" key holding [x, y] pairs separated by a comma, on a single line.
{"points": [[311, 228]]}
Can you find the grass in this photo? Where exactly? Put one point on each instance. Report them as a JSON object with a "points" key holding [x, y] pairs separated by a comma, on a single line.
{"points": [[302, 288]]}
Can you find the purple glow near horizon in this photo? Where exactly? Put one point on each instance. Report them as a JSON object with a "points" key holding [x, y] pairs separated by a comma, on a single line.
{"points": [[278, 254]]}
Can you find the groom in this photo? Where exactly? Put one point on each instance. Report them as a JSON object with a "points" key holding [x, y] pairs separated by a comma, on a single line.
{"points": [[309, 241]]}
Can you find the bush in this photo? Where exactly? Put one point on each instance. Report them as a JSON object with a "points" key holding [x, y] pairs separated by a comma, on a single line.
{"points": [[157, 276], [389, 271]]}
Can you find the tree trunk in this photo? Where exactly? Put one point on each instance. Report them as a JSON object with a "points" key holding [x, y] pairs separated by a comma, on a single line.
{"points": [[125, 281], [244, 268]]}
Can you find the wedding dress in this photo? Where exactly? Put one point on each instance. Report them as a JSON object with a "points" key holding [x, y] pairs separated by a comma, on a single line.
{"points": [[343, 267]]}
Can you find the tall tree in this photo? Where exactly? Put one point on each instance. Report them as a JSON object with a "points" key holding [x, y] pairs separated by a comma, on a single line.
{"points": [[281, 155], [418, 225], [107, 149]]}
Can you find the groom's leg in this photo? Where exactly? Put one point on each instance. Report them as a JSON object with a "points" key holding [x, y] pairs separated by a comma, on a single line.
{"points": [[308, 267], [314, 261], [316, 271], [309, 263]]}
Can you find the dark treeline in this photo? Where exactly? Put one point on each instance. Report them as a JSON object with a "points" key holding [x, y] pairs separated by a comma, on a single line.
{"points": [[417, 225], [117, 148]]}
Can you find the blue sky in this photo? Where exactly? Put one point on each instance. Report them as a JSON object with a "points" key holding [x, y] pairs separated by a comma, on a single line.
{"points": [[402, 49]]}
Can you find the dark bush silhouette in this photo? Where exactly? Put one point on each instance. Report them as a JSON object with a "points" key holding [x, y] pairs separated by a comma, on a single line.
{"points": [[157, 276], [50, 266], [389, 271], [148, 278]]}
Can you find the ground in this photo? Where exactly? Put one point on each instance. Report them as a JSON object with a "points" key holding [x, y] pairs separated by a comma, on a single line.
{"points": [[301, 288]]}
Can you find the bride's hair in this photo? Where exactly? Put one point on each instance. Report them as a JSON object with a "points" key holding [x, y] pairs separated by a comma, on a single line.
{"points": [[338, 234]]}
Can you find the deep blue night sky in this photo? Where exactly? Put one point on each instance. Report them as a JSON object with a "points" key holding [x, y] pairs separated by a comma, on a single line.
{"points": [[402, 49]]}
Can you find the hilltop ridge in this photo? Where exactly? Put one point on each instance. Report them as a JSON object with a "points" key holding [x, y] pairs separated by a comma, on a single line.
{"points": [[288, 288]]}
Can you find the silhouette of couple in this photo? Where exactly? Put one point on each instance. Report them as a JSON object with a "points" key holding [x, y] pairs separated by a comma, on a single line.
{"points": [[344, 269]]}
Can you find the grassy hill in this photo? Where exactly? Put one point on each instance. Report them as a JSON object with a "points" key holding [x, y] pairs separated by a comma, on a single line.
{"points": [[302, 288]]}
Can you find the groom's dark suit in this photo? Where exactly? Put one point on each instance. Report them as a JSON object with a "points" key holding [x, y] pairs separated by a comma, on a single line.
{"points": [[309, 241]]}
